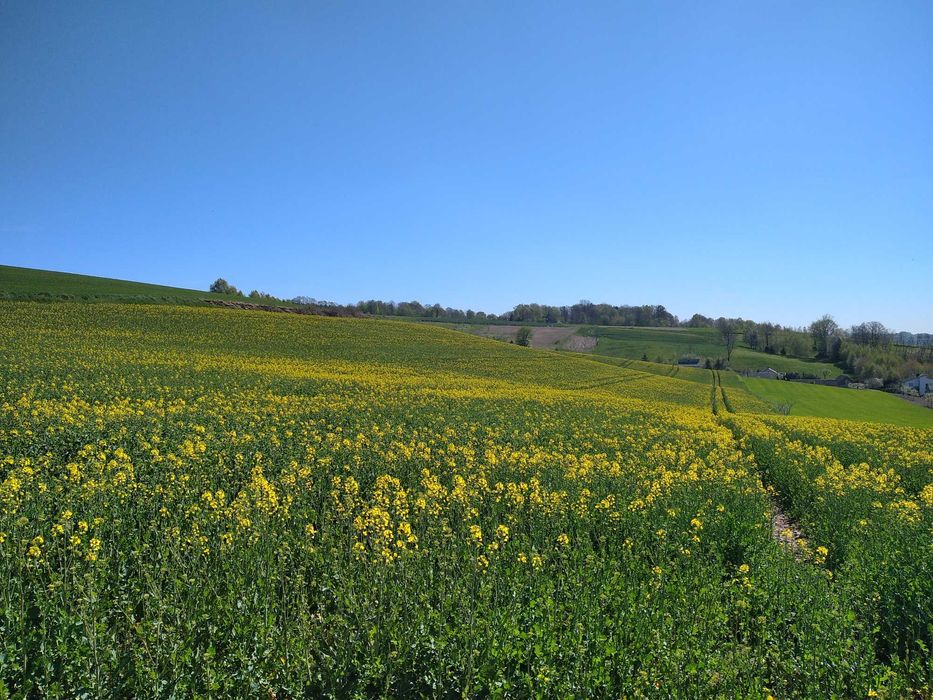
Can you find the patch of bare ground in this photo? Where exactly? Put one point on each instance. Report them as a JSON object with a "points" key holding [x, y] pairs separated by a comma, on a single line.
{"points": [[544, 337], [580, 343], [785, 531]]}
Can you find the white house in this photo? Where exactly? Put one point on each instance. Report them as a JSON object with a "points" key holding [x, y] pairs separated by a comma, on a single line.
{"points": [[922, 384], [768, 374]]}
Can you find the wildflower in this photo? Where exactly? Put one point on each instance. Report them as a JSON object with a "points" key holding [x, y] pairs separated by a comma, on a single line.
{"points": [[476, 535], [35, 547]]}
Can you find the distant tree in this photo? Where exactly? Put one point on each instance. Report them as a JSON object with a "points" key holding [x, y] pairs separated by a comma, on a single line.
{"points": [[699, 321], [796, 344], [767, 330], [751, 337], [834, 348], [871, 333], [708, 365], [820, 331], [221, 286], [523, 337], [728, 331]]}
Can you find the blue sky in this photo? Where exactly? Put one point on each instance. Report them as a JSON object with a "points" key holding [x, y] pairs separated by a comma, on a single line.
{"points": [[771, 160]]}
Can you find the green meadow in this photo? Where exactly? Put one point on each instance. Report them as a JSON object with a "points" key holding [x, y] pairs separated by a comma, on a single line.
{"points": [[26, 284], [835, 402], [666, 345]]}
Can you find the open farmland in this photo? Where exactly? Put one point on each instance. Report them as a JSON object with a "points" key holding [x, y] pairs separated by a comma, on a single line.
{"points": [[205, 502], [835, 402], [666, 345]]}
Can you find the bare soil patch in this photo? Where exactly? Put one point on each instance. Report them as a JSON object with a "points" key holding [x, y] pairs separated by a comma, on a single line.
{"points": [[580, 343], [544, 337], [785, 530]]}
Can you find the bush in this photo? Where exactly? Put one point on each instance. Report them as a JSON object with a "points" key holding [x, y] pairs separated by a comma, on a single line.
{"points": [[221, 286]]}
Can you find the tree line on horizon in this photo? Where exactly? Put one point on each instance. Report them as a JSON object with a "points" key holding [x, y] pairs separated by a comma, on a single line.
{"points": [[867, 349]]}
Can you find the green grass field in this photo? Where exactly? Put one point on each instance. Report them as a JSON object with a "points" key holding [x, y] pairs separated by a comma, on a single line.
{"points": [[834, 402], [665, 345], [26, 284]]}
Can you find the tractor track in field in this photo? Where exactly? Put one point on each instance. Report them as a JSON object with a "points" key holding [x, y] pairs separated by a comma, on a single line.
{"points": [[784, 529]]}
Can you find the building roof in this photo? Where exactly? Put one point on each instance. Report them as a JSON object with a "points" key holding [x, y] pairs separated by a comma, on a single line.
{"points": [[920, 379]]}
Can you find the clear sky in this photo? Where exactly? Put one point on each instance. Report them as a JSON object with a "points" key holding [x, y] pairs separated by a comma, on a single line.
{"points": [[771, 160]]}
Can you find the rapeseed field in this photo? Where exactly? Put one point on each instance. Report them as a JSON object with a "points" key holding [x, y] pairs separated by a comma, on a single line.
{"points": [[212, 503]]}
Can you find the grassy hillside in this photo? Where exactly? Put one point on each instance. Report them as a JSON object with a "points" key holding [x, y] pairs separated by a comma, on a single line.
{"points": [[279, 505], [21, 283], [834, 402], [745, 358], [666, 345]]}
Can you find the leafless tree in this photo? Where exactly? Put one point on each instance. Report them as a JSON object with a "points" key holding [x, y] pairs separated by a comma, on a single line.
{"points": [[729, 332]]}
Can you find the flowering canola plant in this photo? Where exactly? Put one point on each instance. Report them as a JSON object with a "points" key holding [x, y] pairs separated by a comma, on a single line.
{"points": [[209, 502]]}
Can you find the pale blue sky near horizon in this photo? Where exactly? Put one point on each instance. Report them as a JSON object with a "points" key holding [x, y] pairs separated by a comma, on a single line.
{"points": [[770, 160]]}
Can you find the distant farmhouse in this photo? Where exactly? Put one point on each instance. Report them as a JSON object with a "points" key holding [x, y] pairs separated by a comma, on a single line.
{"points": [[688, 361], [921, 384], [768, 374]]}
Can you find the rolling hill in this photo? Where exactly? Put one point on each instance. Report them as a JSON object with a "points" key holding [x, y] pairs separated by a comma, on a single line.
{"points": [[21, 283], [305, 506]]}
